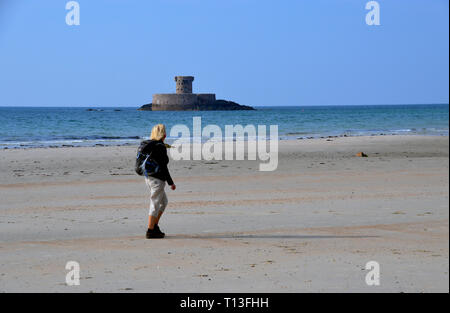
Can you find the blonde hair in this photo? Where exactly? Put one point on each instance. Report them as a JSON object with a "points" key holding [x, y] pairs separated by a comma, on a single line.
{"points": [[158, 132]]}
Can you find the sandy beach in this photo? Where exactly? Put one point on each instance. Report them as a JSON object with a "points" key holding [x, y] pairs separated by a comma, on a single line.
{"points": [[310, 226]]}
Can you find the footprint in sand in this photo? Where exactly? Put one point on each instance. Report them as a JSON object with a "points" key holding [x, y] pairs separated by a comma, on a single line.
{"points": [[424, 214]]}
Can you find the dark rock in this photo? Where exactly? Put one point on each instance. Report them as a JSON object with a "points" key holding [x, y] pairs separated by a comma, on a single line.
{"points": [[217, 105], [223, 105], [146, 107]]}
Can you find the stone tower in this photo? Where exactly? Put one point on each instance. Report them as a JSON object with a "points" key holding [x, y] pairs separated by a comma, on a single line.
{"points": [[183, 99], [184, 84]]}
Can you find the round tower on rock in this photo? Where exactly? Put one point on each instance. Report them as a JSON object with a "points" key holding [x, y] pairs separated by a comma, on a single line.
{"points": [[184, 84], [183, 99]]}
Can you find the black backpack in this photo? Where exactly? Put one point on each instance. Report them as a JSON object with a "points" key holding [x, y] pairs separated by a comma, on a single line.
{"points": [[145, 165]]}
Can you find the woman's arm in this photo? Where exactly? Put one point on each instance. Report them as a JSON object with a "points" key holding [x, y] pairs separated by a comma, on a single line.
{"points": [[165, 169], [168, 177]]}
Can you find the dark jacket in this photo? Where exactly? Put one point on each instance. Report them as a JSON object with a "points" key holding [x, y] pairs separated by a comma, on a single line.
{"points": [[159, 155]]}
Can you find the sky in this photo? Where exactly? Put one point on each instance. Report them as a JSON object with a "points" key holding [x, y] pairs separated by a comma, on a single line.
{"points": [[254, 52]]}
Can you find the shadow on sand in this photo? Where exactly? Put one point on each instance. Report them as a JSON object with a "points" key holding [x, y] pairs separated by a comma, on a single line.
{"points": [[224, 236]]}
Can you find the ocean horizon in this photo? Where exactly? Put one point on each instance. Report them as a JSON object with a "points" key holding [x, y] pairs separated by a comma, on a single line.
{"points": [[40, 127]]}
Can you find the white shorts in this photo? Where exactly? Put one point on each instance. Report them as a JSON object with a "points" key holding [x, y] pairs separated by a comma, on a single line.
{"points": [[158, 197]]}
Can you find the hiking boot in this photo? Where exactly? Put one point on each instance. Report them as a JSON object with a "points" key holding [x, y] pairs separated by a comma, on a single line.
{"points": [[158, 231], [153, 234]]}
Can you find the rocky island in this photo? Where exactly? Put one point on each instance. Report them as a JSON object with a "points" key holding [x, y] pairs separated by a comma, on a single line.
{"points": [[185, 100]]}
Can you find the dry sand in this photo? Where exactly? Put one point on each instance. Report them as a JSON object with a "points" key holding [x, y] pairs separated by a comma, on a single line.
{"points": [[309, 226]]}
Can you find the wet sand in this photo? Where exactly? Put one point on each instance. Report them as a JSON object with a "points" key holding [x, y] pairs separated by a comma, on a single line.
{"points": [[310, 226]]}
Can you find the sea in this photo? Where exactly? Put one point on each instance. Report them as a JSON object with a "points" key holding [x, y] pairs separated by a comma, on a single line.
{"points": [[42, 127]]}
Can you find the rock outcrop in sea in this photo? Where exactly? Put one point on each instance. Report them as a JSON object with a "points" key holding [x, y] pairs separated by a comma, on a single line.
{"points": [[185, 100]]}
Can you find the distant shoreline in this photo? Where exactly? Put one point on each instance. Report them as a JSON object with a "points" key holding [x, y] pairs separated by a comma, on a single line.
{"points": [[255, 106], [281, 138]]}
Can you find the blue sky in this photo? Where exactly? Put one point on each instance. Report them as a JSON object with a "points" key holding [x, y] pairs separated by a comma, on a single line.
{"points": [[254, 52]]}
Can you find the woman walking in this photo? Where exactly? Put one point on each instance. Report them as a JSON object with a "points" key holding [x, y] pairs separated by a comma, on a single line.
{"points": [[156, 173]]}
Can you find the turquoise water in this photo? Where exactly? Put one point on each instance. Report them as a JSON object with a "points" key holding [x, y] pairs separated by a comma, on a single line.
{"points": [[52, 127]]}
